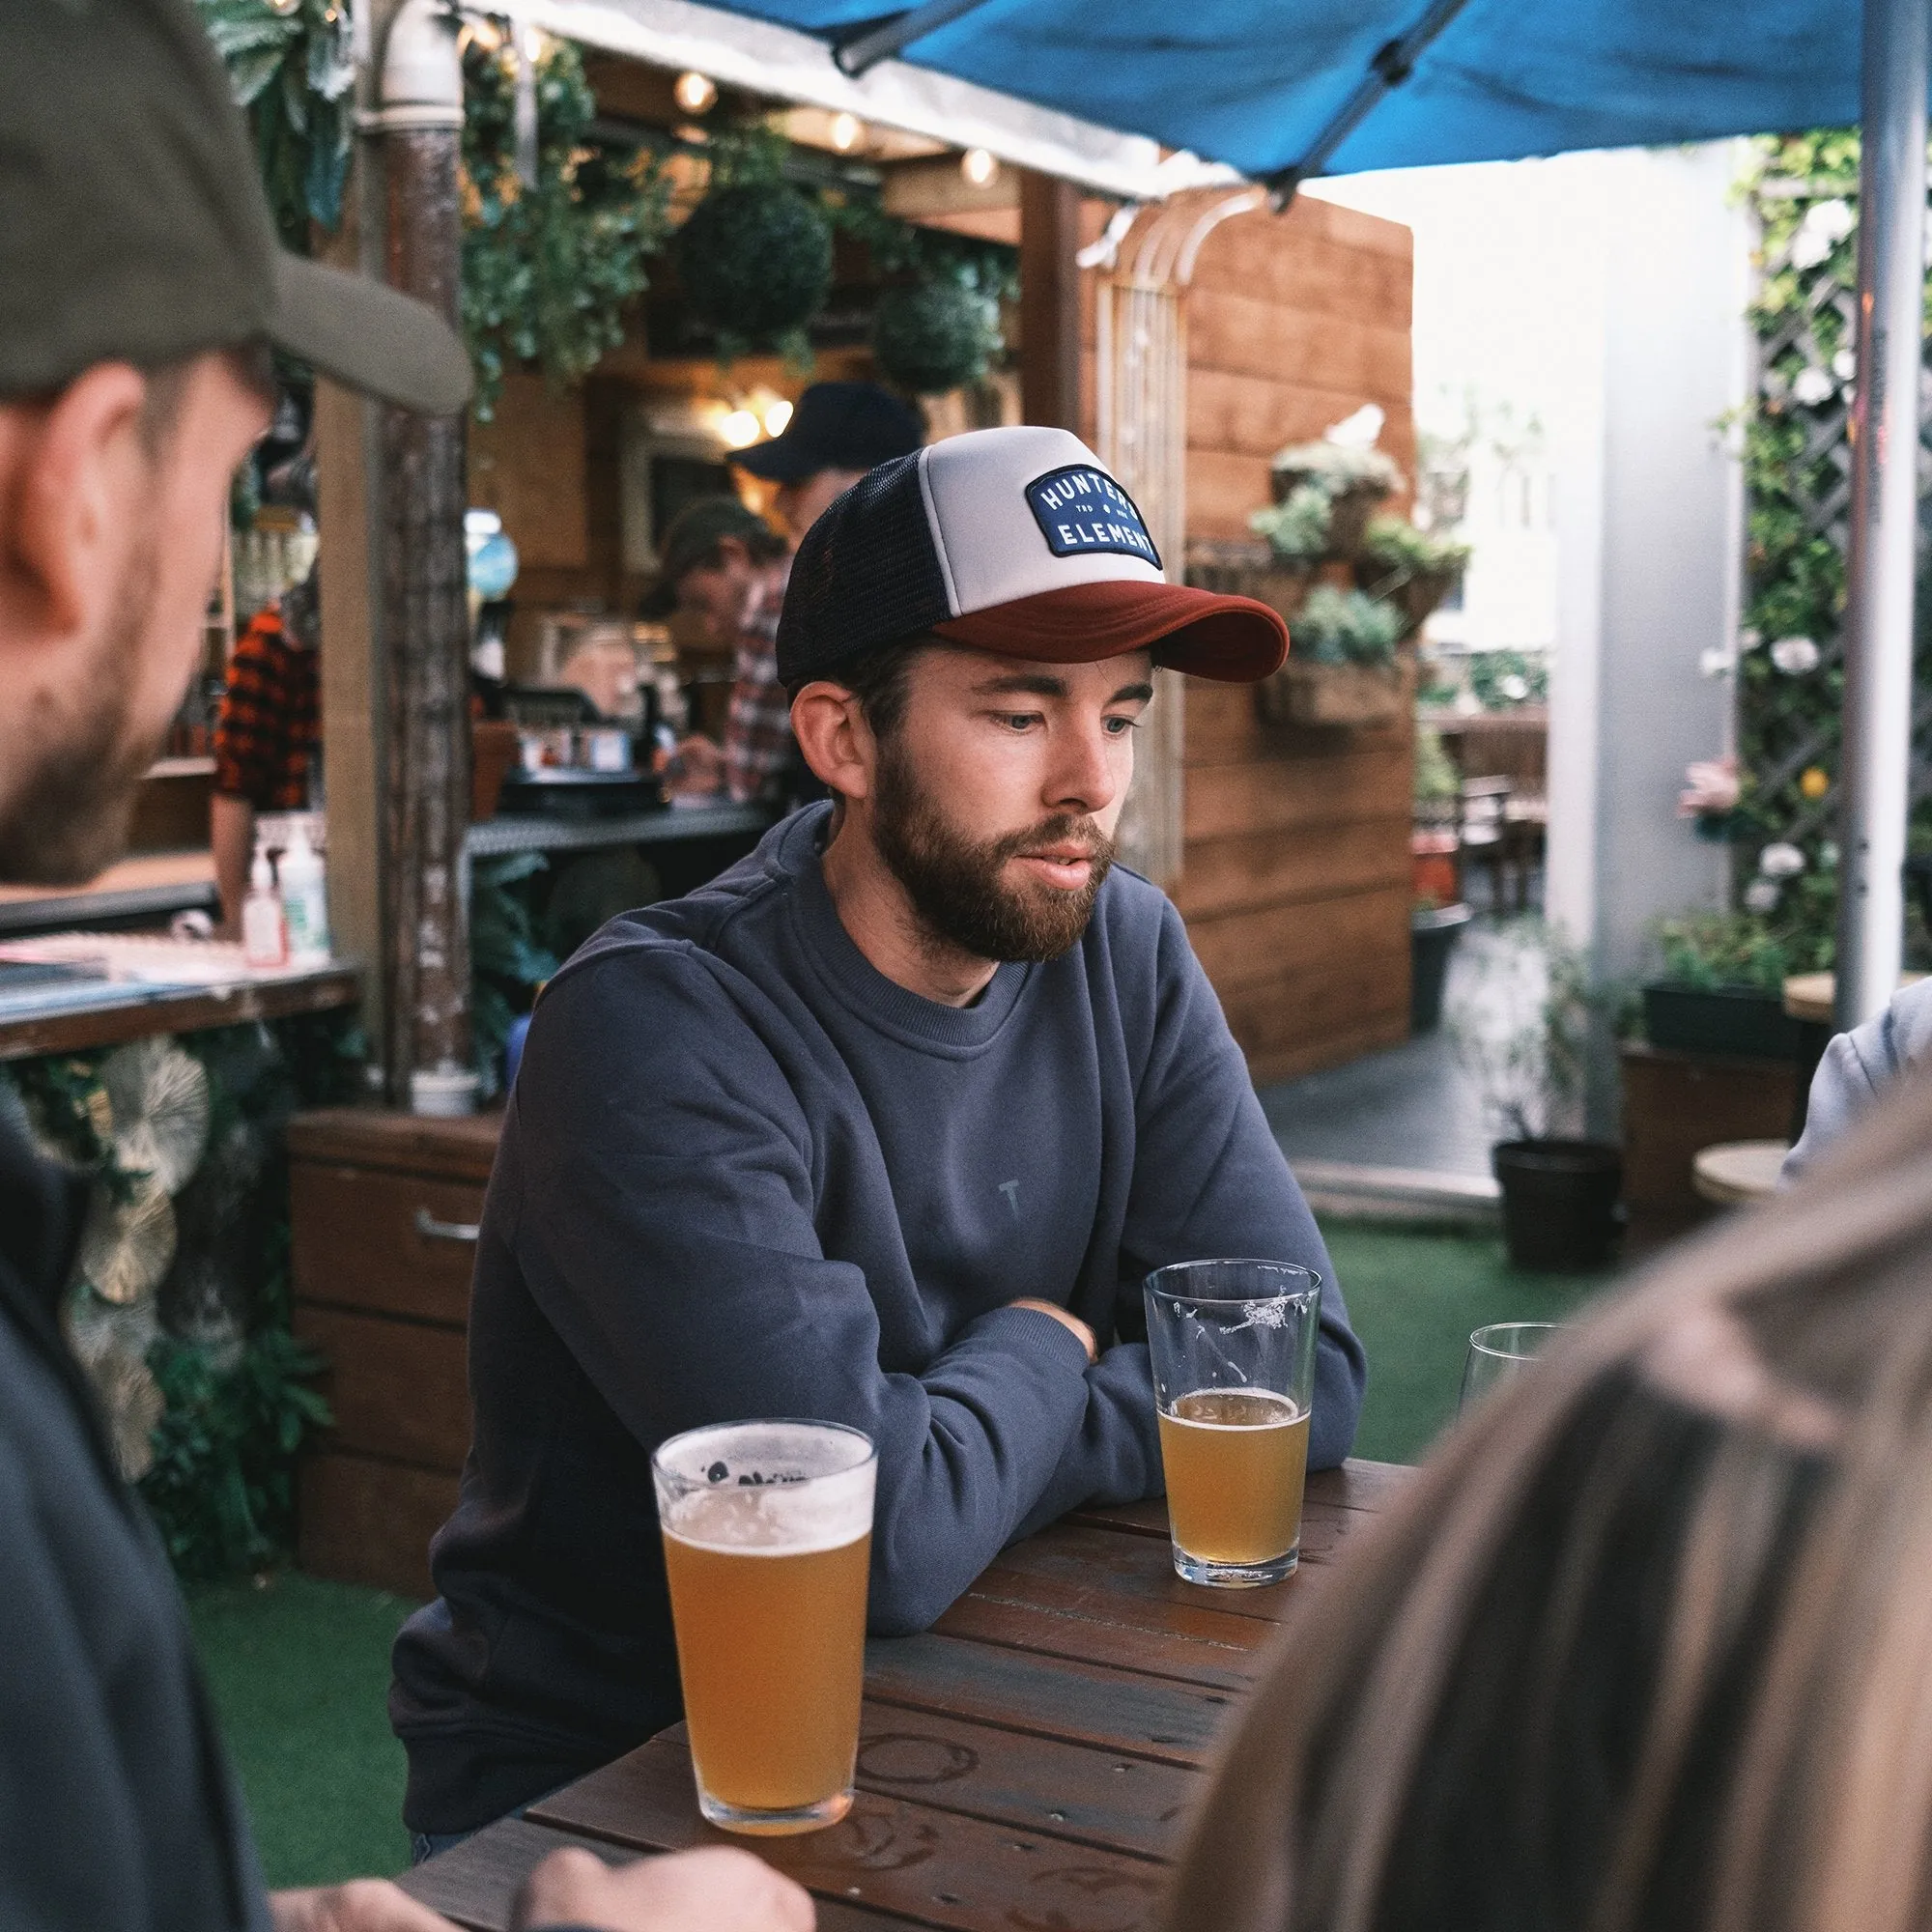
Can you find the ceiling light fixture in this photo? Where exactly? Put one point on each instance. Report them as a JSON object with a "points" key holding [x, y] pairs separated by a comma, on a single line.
{"points": [[978, 167], [847, 133], [695, 93]]}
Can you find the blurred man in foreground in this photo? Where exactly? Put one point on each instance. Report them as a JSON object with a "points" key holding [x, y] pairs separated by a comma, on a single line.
{"points": [[140, 289]]}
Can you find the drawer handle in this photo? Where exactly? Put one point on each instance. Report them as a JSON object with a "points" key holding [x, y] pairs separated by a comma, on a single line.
{"points": [[433, 1230]]}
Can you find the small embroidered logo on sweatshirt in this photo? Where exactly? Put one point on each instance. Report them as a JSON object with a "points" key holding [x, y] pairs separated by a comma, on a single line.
{"points": [[1011, 1191]]}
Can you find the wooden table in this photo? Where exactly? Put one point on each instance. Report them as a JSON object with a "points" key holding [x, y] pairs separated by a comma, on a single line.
{"points": [[1027, 1764]]}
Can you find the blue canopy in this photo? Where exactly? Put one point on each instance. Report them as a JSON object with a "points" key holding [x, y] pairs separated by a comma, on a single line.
{"points": [[1256, 82]]}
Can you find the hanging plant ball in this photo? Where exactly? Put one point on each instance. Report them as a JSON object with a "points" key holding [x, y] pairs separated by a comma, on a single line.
{"points": [[934, 336], [756, 261]]}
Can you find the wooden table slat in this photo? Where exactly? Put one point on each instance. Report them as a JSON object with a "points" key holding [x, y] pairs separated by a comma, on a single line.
{"points": [[1055, 1789], [1017, 1619], [1047, 1696], [944, 1869]]}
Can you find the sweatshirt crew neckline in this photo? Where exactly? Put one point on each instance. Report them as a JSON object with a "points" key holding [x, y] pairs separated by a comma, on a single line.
{"points": [[858, 986]]}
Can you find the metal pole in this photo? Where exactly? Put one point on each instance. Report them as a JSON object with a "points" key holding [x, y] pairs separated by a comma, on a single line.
{"points": [[1875, 770]]}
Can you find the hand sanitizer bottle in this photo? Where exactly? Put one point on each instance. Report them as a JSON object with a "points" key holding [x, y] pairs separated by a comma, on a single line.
{"points": [[305, 902], [264, 935]]}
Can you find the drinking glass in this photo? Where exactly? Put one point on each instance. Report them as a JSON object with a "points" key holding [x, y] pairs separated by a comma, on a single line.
{"points": [[1233, 1346], [1499, 1354], [768, 1536]]}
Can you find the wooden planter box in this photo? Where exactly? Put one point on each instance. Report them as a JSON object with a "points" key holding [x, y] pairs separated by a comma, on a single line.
{"points": [[1676, 1104], [1347, 694], [1249, 570]]}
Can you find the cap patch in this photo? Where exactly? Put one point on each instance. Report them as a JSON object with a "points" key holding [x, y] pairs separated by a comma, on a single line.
{"points": [[1080, 510]]}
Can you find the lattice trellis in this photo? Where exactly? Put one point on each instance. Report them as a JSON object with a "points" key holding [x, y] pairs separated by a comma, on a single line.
{"points": [[1798, 478]]}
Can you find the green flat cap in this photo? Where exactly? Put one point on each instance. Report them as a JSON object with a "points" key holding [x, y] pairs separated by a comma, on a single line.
{"points": [[133, 226]]}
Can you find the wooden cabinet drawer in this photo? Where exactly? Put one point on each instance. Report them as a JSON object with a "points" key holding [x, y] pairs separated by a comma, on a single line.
{"points": [[398, 1388], [363, 1237], [365, 1522]]}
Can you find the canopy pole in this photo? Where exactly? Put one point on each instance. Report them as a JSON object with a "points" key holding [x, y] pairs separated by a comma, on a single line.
{"points": [[1876, 766], [855, 57]]}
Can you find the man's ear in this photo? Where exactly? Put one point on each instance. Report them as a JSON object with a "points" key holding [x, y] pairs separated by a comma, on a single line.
{"points": [[68, 468], [829, 726]]}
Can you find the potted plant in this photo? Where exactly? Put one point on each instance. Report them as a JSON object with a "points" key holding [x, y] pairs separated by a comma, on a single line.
{"points": [[1342, 669], [1408, 567], [1523, 1030], [1721, 990], [1353, 480], [1434, 929]]}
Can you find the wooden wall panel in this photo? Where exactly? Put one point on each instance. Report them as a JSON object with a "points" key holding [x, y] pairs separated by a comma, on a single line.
{"points": [[1296, 887], [529, 465]]}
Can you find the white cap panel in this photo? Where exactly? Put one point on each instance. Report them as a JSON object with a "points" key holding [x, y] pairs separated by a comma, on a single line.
{"points": [[997, 544]]}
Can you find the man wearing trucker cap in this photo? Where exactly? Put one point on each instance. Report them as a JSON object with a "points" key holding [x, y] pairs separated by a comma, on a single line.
{"points": [[141, 291], [877, 1129]]}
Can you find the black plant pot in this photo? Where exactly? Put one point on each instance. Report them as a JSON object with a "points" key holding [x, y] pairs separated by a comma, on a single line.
{"points": [[1560, 1208], [1745, 1022], [1432, 933]]}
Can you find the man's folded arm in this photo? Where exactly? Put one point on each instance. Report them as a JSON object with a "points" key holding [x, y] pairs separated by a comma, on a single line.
{"points": [[666, 1229]]}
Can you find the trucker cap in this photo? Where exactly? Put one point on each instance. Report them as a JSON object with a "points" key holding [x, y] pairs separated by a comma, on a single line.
{"points": [[1009, 540], [133, 226], [836, 426]]}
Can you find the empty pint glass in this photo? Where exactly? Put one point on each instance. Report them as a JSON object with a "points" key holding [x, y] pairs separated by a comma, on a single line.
{"points": [[768, 1535], [1233, 1344]]}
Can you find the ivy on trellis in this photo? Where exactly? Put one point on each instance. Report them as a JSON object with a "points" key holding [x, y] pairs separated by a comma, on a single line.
{"points": [[1798, 466]]}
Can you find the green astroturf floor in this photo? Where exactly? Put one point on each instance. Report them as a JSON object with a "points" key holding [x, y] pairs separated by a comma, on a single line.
{"points": [[299, 1670]]}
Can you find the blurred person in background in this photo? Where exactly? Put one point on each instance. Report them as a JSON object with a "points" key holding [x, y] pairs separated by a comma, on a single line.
{"points": [[1644, 1648], [267, 735], [728, 566], [140, 290], [1857, 1069]]}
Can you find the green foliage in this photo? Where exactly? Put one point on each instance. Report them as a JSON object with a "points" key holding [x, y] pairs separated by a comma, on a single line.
{"points": [[1522, 1026], [1714, 949], [1394, 546], [221, 1490], [290, 73], [1493, 677], [757, 262], [507, 963], [987, 268], [1803, 191], [929, 338], [1336, 466], [1335, 627], [1436, 779], [1297, 528], [548, 270]]}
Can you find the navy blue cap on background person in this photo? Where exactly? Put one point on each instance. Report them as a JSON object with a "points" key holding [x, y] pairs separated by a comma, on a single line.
{"points": [[838, 432], [141, 290]]}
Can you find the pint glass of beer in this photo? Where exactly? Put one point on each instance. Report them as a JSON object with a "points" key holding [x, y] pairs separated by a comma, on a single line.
{"points": [[768, 1532], [1233, 1344]]}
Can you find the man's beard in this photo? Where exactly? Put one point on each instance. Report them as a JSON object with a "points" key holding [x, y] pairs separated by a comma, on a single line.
{"points": [[68, 822], [956, 884]]}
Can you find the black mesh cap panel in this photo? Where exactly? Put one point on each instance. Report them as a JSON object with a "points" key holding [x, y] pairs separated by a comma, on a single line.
{"points": [[866, 575]]}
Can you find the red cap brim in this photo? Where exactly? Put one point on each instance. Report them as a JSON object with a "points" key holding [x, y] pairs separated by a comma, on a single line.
{"points": [[1234, 638]]}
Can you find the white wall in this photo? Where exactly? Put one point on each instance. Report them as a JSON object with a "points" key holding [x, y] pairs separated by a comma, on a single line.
{"points": [[1607, 291]]}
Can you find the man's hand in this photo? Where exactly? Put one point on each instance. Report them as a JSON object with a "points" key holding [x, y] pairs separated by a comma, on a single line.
{"points": [[716, 1890], [363, 1905], [1066, 1320]]}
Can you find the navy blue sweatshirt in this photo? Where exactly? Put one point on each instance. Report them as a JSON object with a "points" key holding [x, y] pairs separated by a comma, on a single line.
{"points": [[745, 1174]]}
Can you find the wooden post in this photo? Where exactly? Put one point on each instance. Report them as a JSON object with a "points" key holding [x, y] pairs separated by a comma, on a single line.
{"points": [[426, 636], [1049, 302]]}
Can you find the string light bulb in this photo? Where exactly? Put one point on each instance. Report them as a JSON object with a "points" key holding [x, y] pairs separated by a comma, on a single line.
{"points": [[978, 167], [695, 93], [536, 42], [847, 132], [778, 416], [283, 7], [740, 429]]}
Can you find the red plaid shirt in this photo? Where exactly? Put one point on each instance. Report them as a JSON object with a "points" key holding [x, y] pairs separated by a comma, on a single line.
{"points": [[758, 730], [269, 729]]}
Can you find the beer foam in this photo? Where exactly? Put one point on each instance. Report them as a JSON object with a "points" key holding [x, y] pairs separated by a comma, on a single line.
{"points": [[771, 1489]]}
